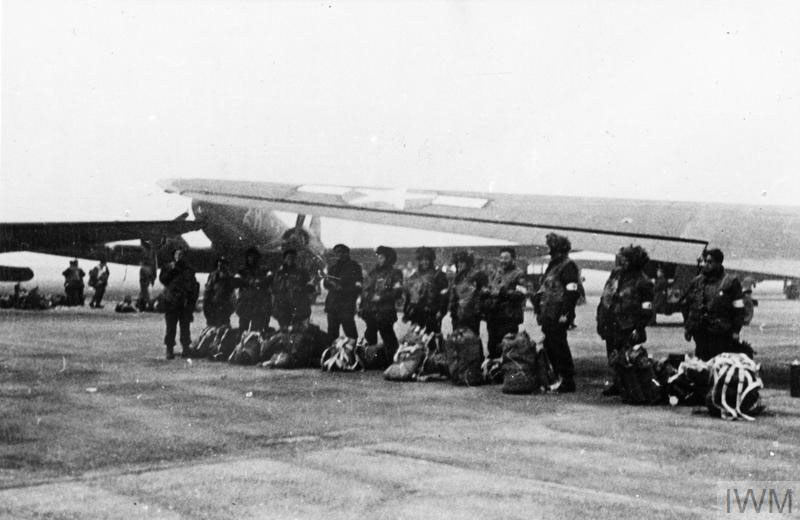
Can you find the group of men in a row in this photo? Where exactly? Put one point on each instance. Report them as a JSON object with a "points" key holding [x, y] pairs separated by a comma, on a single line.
{"points": [[713, 303]]}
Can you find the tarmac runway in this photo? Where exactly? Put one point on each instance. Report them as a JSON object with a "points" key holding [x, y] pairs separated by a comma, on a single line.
{"points": [[94, 423]]}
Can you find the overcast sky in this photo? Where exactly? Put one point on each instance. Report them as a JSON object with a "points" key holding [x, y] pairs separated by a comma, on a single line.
{"points": [[669, 100]]}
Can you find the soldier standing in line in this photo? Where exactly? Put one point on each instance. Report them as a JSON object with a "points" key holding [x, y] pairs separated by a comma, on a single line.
{"points": [[504, 300], [554, 305], [715, 308], [218, 297], [464, 293], [98, 279], [343, 282], [426, 293], [254, 304], [73, 283], [382, 288], [180, 296], [626, 306], [293, 291]]}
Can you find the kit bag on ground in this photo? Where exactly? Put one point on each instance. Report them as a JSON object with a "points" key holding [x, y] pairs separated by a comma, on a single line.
{"points": [[225, 342], [201, 347], [373, 357], [519, 364], [464, 357], [341, 356], [492, 369], [248, 350], [690, 385], [637, 377], [435, 363], [735, 387], [409, 358], [295, 348]]}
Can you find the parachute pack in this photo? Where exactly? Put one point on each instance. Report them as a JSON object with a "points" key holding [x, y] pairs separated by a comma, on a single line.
{"points": [[215, 343], [464, 357], [248, 350], [342, 356], [637, 378], [410, 356], [735, 387], [296, 348], [525, 369]]}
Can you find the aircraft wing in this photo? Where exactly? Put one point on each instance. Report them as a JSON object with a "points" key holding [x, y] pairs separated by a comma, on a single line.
{"points": [[763, 239], [77, 238]]}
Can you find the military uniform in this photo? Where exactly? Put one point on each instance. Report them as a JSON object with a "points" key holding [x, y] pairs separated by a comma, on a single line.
{"points": [[382, 288], [465, 299], [73, 284], [99, 277], [344, 284], [292, 294], [218, 297], [426, 298], [554, 305], [504, 300], [625, 309], [715, 313], [147, 277], [254, 303], [180, 296]]}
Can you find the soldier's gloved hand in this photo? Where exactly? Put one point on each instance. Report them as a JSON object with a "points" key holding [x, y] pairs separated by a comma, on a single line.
{"points": [[563, 318], [735, 336], [687, 336]]}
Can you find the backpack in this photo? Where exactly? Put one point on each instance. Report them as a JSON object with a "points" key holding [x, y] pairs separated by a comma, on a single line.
{"points": [[373, 357], [637, 378], [435, 363], [298, 348], [225, 341], [342, 356], [409, 358], [518, 364], [94, 274], [202, 346], [691, 383], [735, 387], [248, 350], [464, 357]]}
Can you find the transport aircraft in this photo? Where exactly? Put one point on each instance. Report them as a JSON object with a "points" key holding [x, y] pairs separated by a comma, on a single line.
{"points": [[762, 242]]}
